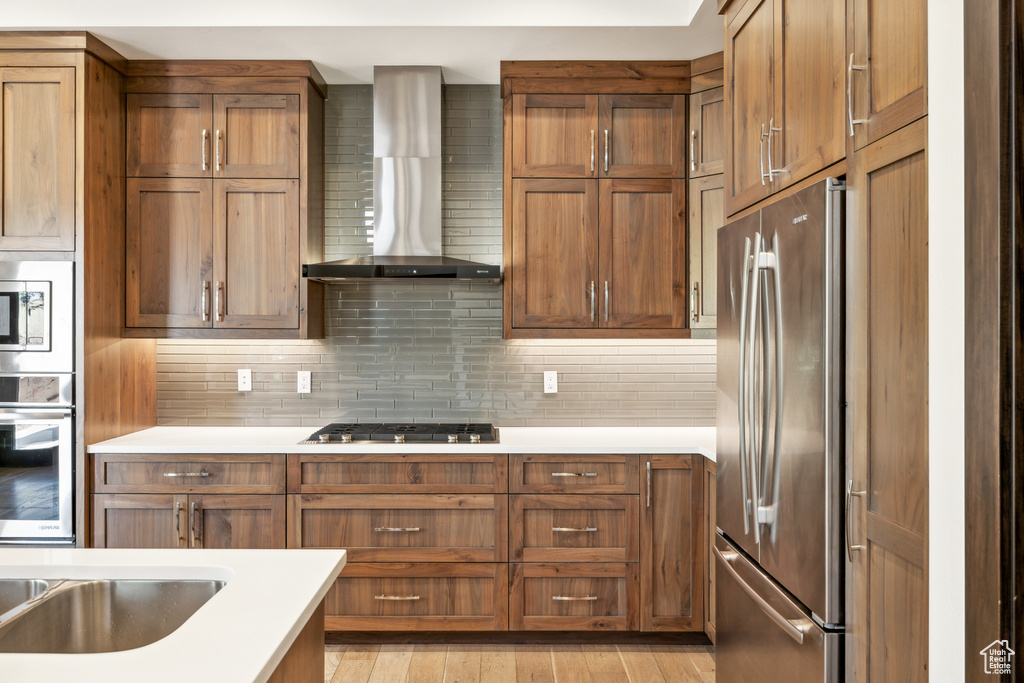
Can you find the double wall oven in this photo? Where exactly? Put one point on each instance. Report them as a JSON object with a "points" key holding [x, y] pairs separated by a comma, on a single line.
{"points": [[37, 443]]}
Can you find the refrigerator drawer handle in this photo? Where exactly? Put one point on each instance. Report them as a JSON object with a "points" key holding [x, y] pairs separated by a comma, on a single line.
{"points": [[794, 628]]}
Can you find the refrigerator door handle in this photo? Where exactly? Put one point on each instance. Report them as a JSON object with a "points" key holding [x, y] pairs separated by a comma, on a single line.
{"points": [[741, 395], [794, 628], [752, 465]]}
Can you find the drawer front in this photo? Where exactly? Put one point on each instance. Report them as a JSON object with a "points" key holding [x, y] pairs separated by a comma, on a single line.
{"points": [[574, 597], [575, 529], [416, 597], [575, 474], [405, 528], [397, 473], [161, 473]]}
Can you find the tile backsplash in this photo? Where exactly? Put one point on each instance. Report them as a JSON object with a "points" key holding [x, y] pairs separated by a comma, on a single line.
{"points": [[429, 351]]}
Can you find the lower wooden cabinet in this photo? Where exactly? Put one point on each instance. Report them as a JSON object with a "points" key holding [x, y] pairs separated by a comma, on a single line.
{"points": [[710, 500], [417, 597], [574, 528], [574, 597]]}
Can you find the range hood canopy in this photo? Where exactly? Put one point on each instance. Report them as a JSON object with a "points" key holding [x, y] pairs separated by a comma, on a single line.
{"points": [[406, 186]]}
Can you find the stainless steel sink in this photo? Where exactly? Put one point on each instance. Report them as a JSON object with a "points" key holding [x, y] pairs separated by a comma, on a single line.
{"points": [[13, 592], [78, 617]]}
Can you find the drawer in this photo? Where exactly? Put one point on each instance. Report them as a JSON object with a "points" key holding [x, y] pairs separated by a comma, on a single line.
{"points": [[161, 473], [575, 473], [360, 473], [406, 528], [574, 597], [574, 529], [419, 597]]}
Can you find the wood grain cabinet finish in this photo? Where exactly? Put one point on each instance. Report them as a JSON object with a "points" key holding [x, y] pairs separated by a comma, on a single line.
{"points": [[608, 474], [398, 473], [37, 157], [705, 216], [577, 528], [419, 597], [213, 473], [140, 521], [706, 146], [672, 544], [887, 67], [710, 500], [574, 597]]}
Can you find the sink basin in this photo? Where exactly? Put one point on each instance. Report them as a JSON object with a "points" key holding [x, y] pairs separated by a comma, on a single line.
{"points": [[79, 617], [13, 592]]}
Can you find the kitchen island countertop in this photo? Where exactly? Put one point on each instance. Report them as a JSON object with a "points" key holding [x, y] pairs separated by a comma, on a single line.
{"points": [[552, 440], [239, 636]]}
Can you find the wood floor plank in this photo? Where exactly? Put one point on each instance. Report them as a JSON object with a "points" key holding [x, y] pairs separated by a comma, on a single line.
{"points": [[707, 678], [704, 661], [427, 664], [392, 664], [463, 664], [640, 664], [332, 657], [356, 664], [533, 664], [605, 664], [569, 664], [498, 664], [675, 664]]}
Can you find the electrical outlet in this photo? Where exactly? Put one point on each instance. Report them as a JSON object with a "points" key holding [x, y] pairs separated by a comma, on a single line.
{"points": [[550, 382], [305, 381], [245, 380]]}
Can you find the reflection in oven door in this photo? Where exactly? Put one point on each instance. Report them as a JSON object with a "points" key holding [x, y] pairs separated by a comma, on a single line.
{"points": [[36, 487]]}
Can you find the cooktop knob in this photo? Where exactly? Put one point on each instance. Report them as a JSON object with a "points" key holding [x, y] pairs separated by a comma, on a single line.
{"points": [[325, 438], [474, 438], [453, 438], [346, 438], [399, 438]]}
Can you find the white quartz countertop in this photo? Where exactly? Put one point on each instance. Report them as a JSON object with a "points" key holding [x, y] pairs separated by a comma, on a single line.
{"points": [[638, 440], [239, 636]]}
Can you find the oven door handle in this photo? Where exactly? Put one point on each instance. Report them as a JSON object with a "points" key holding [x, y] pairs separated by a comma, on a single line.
{"points": [[12, 415]]}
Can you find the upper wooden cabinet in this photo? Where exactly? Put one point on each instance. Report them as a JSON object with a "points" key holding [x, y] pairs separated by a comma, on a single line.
{"points": [[887, 67], [222, 136], [37, 156], [784, 94], [706, 216], [225, 199], [707, 133]]}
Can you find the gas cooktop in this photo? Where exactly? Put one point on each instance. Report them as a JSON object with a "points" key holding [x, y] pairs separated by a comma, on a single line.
{"points": [[397, 432]]}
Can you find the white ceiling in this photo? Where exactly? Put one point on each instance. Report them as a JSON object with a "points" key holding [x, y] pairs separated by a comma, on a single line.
{"points": [[345, 38]]}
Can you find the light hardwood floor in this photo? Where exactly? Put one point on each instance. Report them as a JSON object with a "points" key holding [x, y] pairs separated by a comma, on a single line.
{"points": [[519, 663]]}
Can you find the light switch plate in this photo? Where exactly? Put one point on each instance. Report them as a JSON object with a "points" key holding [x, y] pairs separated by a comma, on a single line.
{"points": [[305, 381], [245, 380], [550, 381]]}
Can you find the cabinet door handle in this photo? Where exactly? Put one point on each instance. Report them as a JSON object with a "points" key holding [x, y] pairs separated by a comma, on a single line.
{"points": [[216, 150], [217, 303], [177, 520], [206, 136], [850, 493], [591, 301], [396, 597], [569, 597], [850, 68], [606, 301], [648, 483], [571, 528], [574, 474], [204, 473], [772, 129], [593, 157], [380, 529], [206, 299], [693, 145], [694, 301], [760, 155], [196, 523], [607, 147]]}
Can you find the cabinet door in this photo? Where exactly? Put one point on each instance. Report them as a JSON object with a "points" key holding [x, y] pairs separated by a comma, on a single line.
{"points": [[889, 74], [554, 253], [707, 132], [642, 136], [706, 216], [809, 74], [748, 102], [554, 136], [887, 289], [37, 168], [710, 499], [169, 135], [139, 521], [256, 254], [256, 136], [672, 544], [643, 253], [169, 252], [236, 522]]}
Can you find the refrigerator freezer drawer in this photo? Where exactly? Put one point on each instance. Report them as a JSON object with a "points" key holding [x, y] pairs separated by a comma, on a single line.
{"points": [[762, 634]]}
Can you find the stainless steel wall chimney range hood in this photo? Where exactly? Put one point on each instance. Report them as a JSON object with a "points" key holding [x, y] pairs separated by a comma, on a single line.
{"points": [[406, 186]]}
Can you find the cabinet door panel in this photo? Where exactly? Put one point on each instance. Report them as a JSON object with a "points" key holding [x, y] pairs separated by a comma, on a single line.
{"points": [[707, 132], [642, 136], [256, 254], [573, 597], [643, 254], [707, 215], [256, 136], [139, 521], [236, 521], [593, 528], [554, 136], [890, 40], [169, 252], [170, 135], [748, 102], [554, 245], [37, 169]]}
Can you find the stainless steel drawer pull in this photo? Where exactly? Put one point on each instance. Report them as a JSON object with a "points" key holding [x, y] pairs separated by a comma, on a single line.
{"points": [[569, 528], [205, 137], [569, 597], [607, 147], [206, 300], [574, 474], [396, 597], [693, 144], [216, 151], [591, 151], [395, 528], [187, 474]]}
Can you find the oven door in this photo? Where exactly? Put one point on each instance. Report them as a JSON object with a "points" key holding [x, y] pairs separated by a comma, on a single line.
{"points": [[36, 477]]}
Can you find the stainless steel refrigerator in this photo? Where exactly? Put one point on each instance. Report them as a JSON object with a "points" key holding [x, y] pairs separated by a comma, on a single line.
{"points": [[778, 550]]}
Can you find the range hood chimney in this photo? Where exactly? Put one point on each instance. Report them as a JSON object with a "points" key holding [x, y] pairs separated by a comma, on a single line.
{"points": [[406, 186]]}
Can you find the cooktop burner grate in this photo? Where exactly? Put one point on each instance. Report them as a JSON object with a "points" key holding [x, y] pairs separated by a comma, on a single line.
{"points": [[467, 432]]}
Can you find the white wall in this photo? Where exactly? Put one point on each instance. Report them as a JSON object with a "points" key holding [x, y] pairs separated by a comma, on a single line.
{"points": [[946, 340]]}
